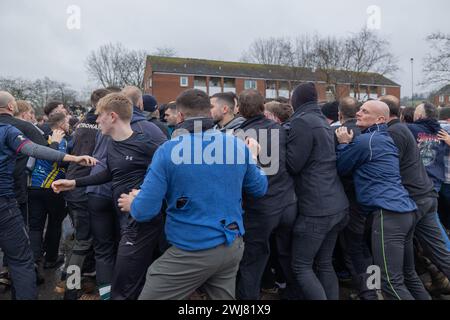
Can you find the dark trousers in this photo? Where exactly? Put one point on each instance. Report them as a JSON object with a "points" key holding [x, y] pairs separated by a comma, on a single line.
{"points": [[82, 247], [44, 203], [357, 240], [134, 256], [15, 244], [444, 205], [393, 251], [431, 235], [258, 230], [105, 236], [314, 240]]}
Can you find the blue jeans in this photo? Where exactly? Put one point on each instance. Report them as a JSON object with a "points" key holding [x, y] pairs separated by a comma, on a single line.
{"points": [[15, 244], [314, 239]]}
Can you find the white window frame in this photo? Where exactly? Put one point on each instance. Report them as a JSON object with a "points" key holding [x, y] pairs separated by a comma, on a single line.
{"points": [[150, 82], [255, 87], [441, 99], [383, 91], [184, 81]]}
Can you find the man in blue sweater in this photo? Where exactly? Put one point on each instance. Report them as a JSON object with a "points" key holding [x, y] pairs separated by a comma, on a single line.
{"points": [[373, 160], [202, 175]]}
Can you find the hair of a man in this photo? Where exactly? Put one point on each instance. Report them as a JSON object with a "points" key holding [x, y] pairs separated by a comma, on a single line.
{"points": [[282, 111], [55, 120], [225, 99], [348, 107], [117, 103], [444, 113], [22, 107], [194, 103], [393, 103], [97, 95], [251, 103], [133, 93], [431, 112], [52, 105]]}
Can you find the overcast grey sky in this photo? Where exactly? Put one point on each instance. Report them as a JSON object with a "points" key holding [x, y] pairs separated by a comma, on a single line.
{"points": [[37, 43]]}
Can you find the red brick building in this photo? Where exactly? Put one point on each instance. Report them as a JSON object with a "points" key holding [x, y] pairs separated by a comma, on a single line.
{"points": [[442, 97], [165, 78]]}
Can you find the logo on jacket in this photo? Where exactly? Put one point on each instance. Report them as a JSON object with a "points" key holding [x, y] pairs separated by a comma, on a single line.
{"points": [[129, 158], [428, 145]]}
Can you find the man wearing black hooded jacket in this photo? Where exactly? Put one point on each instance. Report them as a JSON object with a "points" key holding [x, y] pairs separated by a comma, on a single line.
{"points": [[276, 211], [322, 203]]}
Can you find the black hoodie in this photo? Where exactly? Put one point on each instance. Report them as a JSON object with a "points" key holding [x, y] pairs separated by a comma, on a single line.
{"points": [[83, 144], [280, 193]]}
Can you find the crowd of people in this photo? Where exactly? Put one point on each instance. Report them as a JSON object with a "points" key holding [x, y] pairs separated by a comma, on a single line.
{"points": [[226, 197]]}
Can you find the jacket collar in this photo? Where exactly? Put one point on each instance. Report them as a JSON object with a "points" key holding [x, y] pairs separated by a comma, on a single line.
{"points": [[376, 128]]}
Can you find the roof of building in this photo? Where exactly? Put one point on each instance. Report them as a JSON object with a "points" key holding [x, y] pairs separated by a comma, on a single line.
{"points": [[444, 90], [204, 67]]}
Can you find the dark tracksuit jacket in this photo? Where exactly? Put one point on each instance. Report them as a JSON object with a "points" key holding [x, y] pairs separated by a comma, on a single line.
{"points": [[20, 173]]}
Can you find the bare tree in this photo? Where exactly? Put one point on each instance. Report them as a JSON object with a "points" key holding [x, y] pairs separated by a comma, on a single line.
{"points": [[272, 51], [114, 65], [106, 64], [437, 62], [39, 92], [368, 52]]}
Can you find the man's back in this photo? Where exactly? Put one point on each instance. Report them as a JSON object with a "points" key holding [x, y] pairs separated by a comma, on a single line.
{"points": [[311, 159], [203, 189], [373, 159], [414, 176]]}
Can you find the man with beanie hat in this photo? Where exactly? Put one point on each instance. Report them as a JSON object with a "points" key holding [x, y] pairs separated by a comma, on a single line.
{"points": [[322, 203], [151, 111]]}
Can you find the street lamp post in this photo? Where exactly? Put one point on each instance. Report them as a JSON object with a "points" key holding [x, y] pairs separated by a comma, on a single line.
{"points": [[412, 82]]}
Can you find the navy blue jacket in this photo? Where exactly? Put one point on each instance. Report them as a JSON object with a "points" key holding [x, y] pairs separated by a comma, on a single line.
{"points": [[372, 158], [432, 150]]}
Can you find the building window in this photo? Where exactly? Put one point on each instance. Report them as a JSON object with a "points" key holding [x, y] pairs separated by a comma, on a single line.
{"points": [[250, 84], [215, 86], [150, 82], [373, 94], [184, 81], [229, 85], [441, 99], [283, 89], [200, 83], [383, 91], [330, 93], [271, 90]]}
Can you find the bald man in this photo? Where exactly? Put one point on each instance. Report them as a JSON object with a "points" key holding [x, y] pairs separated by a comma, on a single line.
{"points": [[372, 159]]}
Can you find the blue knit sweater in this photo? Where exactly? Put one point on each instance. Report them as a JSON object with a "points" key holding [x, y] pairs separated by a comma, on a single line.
{"points": [[203, 199]]}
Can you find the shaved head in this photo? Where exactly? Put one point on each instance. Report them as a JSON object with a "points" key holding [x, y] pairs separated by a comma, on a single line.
{"points": [[134, 94], [5, 99], [372, 113], [379, 108]]}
